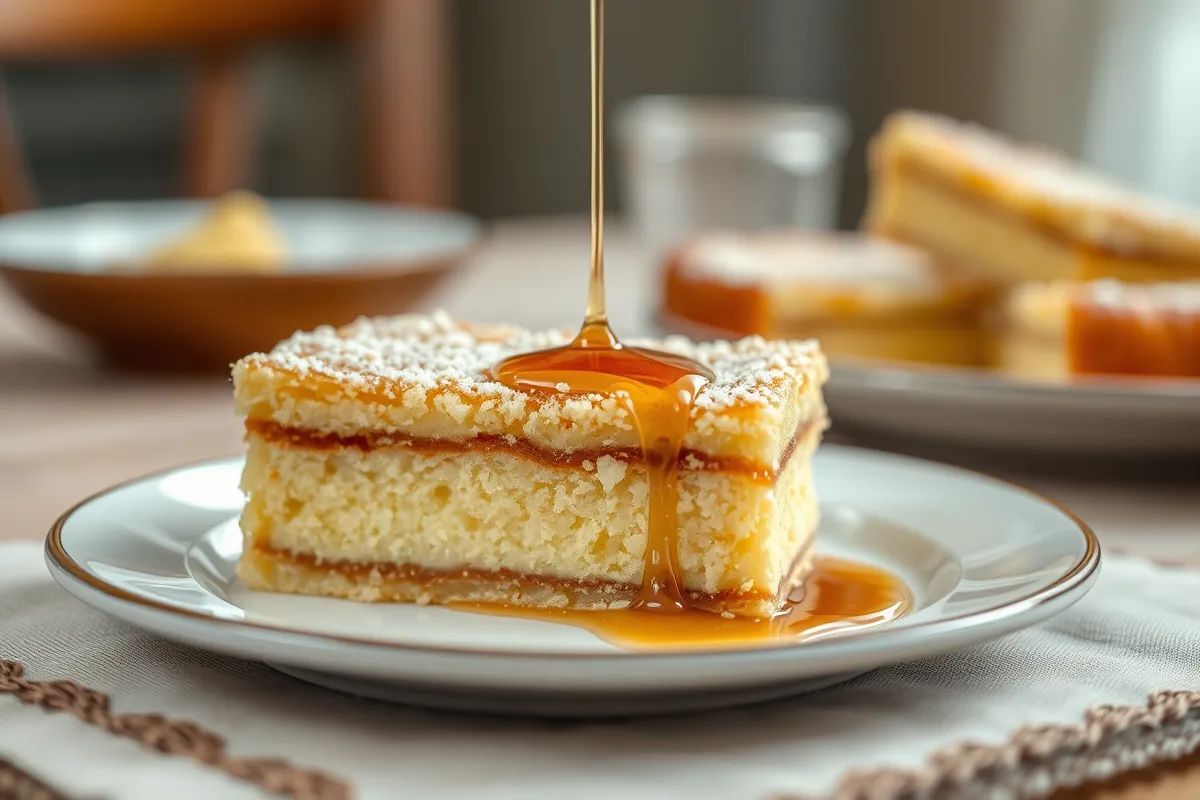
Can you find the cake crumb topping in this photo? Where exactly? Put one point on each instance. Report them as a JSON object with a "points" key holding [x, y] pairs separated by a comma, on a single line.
{"points": [[434, 351], [429, 377]]}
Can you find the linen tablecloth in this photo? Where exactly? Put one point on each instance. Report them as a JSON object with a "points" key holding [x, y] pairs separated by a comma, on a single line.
{"points": [[1108, 686], [67, 429]]}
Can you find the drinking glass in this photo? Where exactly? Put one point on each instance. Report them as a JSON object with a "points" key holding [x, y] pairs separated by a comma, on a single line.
{"points": [[695, 164]]}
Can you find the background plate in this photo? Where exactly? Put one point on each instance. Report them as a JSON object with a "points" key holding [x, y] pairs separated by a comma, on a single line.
{"points": [[951, 408], [978, 410]]}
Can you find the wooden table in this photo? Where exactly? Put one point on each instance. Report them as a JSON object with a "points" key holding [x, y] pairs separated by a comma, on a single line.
{"points": [[68, 429]]}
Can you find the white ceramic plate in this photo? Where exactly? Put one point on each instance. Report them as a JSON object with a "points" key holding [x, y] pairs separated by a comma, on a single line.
{"points": [[976, 409], [1120, 418], [981, 557]]}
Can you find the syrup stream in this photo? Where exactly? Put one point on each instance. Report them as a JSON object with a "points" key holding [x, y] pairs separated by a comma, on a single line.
{"points": [[596, 316], [658, 387], [659, 390]]}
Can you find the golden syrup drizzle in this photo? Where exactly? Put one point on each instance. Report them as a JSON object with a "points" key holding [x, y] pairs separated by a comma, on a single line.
{"points": [[838, 597], [595, 318], [659, 387]]}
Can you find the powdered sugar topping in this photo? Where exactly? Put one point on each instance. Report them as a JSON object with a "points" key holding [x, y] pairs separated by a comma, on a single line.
{"points": [[1153, 298], [428, 352], [787, 257]]}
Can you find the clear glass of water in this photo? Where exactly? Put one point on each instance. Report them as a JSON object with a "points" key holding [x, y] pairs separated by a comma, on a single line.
{"points": [[695, 164]]}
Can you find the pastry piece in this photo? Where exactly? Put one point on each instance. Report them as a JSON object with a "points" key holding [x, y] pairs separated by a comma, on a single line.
{"points": [[385, 464], [1052, 331], [1012, 213], [236, 234], [859, 296]]}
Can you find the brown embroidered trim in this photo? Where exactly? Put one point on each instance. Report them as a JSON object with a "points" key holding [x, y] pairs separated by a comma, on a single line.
{"points": [[17, 784], [171, 737], [1039, 760]]}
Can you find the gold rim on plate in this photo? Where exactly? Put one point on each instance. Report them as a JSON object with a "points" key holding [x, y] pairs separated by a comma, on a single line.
{"points": [[1078, 574]]}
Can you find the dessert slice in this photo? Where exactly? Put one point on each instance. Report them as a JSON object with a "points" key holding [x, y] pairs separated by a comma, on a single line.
{"points": [[1012, 213], [385, 464], [860, 296], [1051, 331]]}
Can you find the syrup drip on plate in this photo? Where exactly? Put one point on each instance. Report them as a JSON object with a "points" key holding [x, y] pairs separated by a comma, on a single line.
{"points": [[838, 597]]}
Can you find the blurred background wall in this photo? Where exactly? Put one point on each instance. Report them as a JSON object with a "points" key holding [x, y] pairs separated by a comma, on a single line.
{"points": [[1113, 81]]}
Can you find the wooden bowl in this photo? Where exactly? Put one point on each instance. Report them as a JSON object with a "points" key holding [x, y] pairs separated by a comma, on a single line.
{"points": [[349, 259]]}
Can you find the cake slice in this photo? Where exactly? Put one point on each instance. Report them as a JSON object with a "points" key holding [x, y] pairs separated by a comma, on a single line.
{"points": [[384, 464], [1010, 213], [860, 296], [1053, 331]]}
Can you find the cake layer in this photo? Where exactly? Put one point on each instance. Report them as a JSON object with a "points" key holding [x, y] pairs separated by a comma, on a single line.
{"points": [[930, 341], [860, 296], [427, 377], [402, 524], [995, 245], [688, 459], [1014, 213], [278, 571]]}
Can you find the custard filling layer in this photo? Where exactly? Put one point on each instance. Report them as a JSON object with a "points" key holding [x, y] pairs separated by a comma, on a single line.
{"points": [[494, 511], [691, 460], [403, 581]]}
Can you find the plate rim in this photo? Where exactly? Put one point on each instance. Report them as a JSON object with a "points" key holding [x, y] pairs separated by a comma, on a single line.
{"points": [[1080, 575], [900, 376], [479, 233]]}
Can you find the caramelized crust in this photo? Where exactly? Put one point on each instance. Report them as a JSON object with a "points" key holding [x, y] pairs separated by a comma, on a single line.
{"points": [[1058, 329], [743, 309], [427, 377], [1134, 330]]}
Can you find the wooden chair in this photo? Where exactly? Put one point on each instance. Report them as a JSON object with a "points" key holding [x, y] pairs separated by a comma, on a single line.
{"points": [[404, 54]]}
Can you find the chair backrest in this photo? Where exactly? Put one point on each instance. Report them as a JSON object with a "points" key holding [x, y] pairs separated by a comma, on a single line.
{"points": [[70, 28], [406, 97]]}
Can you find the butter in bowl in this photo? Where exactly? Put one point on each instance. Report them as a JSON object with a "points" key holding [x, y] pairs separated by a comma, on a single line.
{"points": [[185, 285]]}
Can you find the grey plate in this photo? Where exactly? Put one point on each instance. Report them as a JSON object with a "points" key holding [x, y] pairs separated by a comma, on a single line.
{"points": [[976, 410]]}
